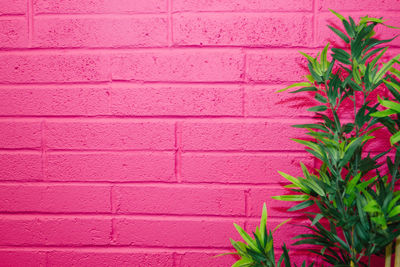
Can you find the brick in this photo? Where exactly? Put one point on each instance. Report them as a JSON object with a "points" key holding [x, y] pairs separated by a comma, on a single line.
{"points": [[23, 258], [256, 30], [99, 6], [13, 33], [20, 166], [199, 200], [176, 101], [381, 143], [53, 101], [110, 135], [13, 7], [353, 5], [45, 67], [109, 258], [54, 231], [242, 5], [276, 208], [276, 66], [164, 233], [189, 259], [55, 198], [119, 167], [100, 32], [245, 135], [179, 66], [240, 168], [20, 134], [263, 101], [324, 34]]}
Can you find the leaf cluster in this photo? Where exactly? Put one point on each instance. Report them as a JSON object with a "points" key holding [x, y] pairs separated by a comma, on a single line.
{"points": [[258, 250]]}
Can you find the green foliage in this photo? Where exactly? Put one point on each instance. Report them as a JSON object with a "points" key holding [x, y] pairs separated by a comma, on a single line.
{"points": [[357, 207], [258, 250], [352, 193]]}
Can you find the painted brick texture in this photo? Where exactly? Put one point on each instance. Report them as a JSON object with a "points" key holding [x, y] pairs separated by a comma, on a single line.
{"points": [[135, 132]]}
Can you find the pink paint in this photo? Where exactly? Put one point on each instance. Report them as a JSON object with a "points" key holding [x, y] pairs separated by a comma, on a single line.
{"points": [[134, 133]]}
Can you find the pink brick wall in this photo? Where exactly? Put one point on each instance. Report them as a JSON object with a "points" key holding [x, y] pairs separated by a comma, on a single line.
{"points": [[135, 132]]}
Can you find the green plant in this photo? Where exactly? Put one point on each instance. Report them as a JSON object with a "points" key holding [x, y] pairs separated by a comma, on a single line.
{"points": [[259, 251], [356, 208], [393, 106]]}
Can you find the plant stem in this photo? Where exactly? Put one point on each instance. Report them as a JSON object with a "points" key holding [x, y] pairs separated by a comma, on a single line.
{"points": [[397, 254], [388, 255]]}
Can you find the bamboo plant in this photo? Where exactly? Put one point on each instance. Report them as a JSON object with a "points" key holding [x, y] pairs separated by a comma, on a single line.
{"points": [[355, 205]]}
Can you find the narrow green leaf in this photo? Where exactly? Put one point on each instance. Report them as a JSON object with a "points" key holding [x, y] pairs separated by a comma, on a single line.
{"points": [[355, 86], [395, 86], [348, 28], [363, 185], [392, 27], [395, 72], [356, 74], [383, 113], [341, 52], [363, 20], [341, 58], [372, 207], [385, 68], [246, 237], [317, 218], [310, 58], [310, 126], [375, 60], [318, 108], [352, 184], [310, 183], [313, 72], [244, 262], [305, 170], [324, 61], [292, 197], [329, 70], [380, 220], [294, 85], [320, 98], [390, 104], [373, 52], [349, 151], [279, 225], [340, 34], [305, 89], [226, 254], [395, 138], [317, 66], [302, 205], [337, 14], [353, 24], [394, 212], [393, 202], [263, 222], [374, 42], [309, 144], [294, 180]]}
